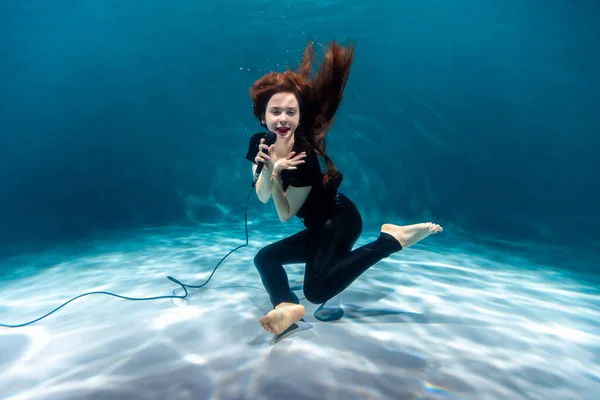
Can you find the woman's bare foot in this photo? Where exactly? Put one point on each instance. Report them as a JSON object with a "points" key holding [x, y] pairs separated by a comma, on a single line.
{"points": [[408, 235], [282, 317]]}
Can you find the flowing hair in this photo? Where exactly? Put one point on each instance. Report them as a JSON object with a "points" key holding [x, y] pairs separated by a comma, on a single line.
{"points": [[319, 94]]}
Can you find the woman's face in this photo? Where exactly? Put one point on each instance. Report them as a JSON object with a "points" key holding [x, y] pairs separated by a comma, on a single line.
{"points": [[282, 115]]}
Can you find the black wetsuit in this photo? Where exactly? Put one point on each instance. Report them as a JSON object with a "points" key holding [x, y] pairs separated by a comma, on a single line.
{"points": [[333, 225]]}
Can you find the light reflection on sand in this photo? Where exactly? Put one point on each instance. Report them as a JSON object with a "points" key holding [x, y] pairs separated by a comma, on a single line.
{"points": [[472, 328]]}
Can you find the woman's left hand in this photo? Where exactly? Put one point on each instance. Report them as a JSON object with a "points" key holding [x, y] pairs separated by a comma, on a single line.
{"points": [[288, 162]]}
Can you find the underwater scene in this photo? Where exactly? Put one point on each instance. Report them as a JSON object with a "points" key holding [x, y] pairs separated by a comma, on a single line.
{"points": [[299, 199]]}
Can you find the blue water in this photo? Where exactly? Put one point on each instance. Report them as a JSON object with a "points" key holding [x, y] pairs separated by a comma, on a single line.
{"points": [[123, 130]]}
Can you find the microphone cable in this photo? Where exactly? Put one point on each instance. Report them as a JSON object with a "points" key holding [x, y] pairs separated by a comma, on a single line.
{"points": [[184, 286]]}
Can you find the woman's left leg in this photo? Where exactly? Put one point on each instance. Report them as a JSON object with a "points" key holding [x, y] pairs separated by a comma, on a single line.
{"points": [[269, 262]]}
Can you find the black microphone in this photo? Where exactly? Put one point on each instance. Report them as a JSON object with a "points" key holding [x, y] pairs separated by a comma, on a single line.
{"points": [[270, 138]]}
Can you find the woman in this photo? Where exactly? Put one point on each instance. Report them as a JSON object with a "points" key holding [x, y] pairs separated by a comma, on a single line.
{"points": [[301, 111]]}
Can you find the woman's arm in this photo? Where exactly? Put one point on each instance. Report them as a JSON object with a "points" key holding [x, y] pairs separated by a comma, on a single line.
{"points": [[263, 184], [289, 202]]}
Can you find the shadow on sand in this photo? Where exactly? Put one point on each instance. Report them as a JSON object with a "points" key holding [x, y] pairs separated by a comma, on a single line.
{"points": [[344, 309]]}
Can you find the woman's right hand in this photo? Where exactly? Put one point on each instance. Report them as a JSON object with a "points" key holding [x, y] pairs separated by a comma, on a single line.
{"points": [[266, 159]]}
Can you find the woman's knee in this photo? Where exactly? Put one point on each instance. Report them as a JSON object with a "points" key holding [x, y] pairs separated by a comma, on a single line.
{"points": [[315, 293], [263, 258]]}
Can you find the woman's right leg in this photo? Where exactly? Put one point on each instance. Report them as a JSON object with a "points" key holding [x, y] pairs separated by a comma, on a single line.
{"points": [[269, 262]]}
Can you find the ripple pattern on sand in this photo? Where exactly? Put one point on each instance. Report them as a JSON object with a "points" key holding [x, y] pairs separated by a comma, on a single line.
{"points": [[471, 327]]}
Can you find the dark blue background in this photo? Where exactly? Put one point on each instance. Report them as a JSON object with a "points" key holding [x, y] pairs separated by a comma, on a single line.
{"points": [[481, 116]]}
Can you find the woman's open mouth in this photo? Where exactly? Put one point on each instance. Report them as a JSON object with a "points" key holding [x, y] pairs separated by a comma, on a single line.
{"points": [[283, 130]]}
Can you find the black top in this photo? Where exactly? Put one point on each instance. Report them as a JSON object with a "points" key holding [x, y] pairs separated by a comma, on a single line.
{"points": [[320, 203]]}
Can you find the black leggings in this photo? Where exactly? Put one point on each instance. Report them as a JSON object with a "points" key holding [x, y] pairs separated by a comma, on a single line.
{"points": [[331, 264]]}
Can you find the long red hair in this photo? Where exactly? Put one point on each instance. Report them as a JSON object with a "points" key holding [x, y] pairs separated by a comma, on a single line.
{"points": [[319, 95]]}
